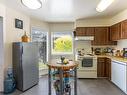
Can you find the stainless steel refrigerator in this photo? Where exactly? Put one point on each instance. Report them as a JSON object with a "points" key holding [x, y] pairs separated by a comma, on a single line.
{"points": [[25, 64]]}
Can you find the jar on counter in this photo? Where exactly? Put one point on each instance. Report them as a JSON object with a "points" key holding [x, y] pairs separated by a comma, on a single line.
{"points": [[118, 54]]}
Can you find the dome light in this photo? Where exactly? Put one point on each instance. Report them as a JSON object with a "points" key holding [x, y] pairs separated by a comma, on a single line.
{"points": [[32, 4]]}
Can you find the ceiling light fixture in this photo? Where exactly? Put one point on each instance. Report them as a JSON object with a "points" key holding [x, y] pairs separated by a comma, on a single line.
{"points": [[103, 5], [32, 4]]}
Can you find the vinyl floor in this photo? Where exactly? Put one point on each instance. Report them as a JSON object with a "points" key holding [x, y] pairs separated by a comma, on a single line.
{"points": [[85, 87]]}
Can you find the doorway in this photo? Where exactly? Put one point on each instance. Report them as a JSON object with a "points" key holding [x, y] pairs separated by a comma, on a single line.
{"points": [[1, 54], [41, 36]]}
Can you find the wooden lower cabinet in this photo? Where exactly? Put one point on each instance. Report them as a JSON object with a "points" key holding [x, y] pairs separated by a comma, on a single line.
{"points": [[101, 67], [108, 68], [104, 67]]}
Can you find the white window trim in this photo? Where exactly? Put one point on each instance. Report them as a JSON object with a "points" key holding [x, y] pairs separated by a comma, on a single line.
{"points": [[62, 53]]}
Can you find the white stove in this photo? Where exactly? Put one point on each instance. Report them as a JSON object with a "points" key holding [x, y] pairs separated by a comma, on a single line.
{"points": [[87, 66]]}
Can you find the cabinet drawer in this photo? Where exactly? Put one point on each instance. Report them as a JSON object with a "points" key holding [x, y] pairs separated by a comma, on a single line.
{"points": [[101, 60]]}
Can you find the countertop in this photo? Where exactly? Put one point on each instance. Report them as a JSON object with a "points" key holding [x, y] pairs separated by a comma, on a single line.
{"points": [[120, 59]]}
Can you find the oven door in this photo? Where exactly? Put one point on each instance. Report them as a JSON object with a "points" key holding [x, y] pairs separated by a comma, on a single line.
{"points": [[87, 63]]}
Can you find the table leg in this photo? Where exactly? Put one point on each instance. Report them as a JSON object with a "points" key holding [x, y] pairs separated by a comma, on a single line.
{"points": [[49, 80], [61, 81], [75, 81]]}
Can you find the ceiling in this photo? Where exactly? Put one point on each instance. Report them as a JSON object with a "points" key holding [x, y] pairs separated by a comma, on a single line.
{"points": [[68, 10]]}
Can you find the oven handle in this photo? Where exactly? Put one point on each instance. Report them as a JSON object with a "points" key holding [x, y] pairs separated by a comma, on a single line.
{"points": [[79, 59]]}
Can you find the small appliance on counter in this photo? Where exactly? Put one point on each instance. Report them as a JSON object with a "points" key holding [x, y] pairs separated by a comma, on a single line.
{"points": [[80, 52], [125, 52], [97, 51], [118, 53]]}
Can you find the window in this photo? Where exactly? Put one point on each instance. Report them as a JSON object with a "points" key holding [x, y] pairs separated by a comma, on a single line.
{"points": [[62, 43]]}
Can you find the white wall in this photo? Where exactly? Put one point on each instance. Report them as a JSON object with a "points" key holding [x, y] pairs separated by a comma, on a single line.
{"points": [[61, 27], [92, 22], [39, 24], [2, 32]]}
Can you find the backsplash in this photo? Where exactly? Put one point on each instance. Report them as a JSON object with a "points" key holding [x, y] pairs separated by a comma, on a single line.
{"points": [[121, 44], [86, 45]]}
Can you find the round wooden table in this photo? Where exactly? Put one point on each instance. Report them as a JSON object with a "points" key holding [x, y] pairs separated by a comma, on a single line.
{"points": [[61, 68]]}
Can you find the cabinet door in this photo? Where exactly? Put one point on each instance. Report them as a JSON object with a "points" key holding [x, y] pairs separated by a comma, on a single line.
{"points": [[119, 75], [89, 31], [84, 31], [108, 68], [115, 32], [80, 31], [101, 36], [101, 67], [124, 29]]}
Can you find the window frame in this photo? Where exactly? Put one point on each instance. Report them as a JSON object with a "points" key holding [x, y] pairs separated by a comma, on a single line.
{"points": [[62, 53]]}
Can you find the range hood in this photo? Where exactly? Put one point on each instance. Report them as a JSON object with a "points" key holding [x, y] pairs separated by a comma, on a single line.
{"points": [[84, 38]]}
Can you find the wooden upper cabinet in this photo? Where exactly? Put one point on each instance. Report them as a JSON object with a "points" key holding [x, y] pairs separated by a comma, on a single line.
{"points": [[124, 29], [84, 31], [89, 31], [79, 31], [115, 32], [101, 36]]}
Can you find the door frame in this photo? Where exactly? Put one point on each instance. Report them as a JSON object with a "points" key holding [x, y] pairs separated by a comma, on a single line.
{"points": [[43, 71], [1, 53]]}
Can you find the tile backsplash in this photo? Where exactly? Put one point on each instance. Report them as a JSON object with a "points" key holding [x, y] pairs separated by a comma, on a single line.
{"points": [[86, 45], [121, 44]]}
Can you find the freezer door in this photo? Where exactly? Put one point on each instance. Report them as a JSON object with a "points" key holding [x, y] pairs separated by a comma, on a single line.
{"points": [[30, 65]]}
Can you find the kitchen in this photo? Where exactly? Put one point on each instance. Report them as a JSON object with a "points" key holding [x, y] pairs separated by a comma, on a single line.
{"points": [[98, 38]]}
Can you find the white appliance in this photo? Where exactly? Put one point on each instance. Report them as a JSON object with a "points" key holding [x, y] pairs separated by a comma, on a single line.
{"points": [[87, 66], [119, 74], [86, 38]]}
